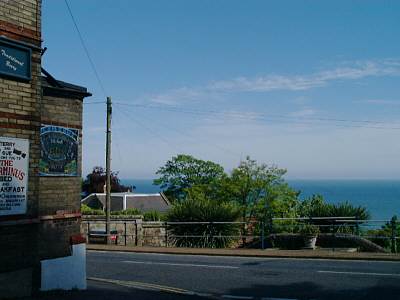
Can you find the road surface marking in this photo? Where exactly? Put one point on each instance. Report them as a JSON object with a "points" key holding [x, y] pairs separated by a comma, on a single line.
{"points": [[237, 297], [178, 264], [143, 285], [359, 273], [238, 256], [169, 289], [204, 294]]}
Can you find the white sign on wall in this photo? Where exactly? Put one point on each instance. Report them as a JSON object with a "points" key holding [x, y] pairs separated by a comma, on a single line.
{"points": [[14, 166]]}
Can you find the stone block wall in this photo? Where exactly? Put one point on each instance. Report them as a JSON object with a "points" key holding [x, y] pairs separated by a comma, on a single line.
{"points": [[21, 20], [59, 206], [61, 193], [154, 234], [53, 203], [20, 101], [20, 118], [132, 231]]}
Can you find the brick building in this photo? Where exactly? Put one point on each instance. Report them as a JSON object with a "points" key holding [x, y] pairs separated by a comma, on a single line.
{"points": [[40, 161]]}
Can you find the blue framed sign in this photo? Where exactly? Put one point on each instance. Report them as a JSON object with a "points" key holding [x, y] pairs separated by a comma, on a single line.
{"points": [[59, 151], [15, 61]]}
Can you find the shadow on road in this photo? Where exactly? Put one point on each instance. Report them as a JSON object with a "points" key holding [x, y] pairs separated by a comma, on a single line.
{"points": [[309, 290], [102, 291]]}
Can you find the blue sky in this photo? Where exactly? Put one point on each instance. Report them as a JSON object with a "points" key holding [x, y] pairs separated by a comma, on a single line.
{"points": [[224, 79]]}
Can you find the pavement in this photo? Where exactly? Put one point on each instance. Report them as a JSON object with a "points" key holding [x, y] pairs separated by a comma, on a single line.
{"points": [[319, 254]]}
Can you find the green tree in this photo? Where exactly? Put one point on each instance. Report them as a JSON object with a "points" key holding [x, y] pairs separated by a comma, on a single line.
{"points": [[185, 171], [280, 201], [260, 190], [95, 181]]}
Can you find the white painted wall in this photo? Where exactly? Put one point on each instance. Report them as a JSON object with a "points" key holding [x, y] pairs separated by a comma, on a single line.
{"points": [[65, 273]]}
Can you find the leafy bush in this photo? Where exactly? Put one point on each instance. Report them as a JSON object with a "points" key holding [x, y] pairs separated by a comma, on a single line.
{"points": [[86, 210], [386, 232], [309, 230], [200, 209], [127, 212], [154, 215]]}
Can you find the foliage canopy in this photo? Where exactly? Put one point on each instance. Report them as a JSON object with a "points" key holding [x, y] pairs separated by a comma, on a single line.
{"points": [[95, 181], [185, 171]]}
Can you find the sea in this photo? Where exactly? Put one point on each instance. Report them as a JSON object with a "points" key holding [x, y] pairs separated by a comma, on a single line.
{"points": [[380, 197]]}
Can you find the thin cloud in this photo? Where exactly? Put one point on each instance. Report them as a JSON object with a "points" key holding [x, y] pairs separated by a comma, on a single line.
{"points": [[174, 96], [345, 72], [357, 70], [382, 102], [303, 113]]}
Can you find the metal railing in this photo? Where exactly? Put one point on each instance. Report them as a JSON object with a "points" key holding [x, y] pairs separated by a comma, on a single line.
{"points": [[251, 233]]}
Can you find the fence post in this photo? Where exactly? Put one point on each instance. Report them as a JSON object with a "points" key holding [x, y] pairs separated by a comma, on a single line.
{"points": [[212, 234], [262, 235], [357, 228], [136, 233], [166, 234], [125, 232], [88, 232], [393, 235]]}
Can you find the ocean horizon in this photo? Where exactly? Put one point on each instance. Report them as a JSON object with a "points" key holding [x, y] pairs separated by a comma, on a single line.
{"points": [[381, 197]]}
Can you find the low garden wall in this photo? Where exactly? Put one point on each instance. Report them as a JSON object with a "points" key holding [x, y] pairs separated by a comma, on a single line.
{"points": [[131, 231]]}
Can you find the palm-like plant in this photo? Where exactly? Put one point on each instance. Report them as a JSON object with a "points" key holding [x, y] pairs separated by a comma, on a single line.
{"points": [[315, 206], [211, 233]]}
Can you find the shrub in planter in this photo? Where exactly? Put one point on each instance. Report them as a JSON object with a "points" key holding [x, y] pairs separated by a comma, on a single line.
{"points": [[309, 233]]}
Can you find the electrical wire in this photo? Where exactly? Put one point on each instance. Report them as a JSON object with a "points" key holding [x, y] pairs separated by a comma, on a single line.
{"points": [[94, 102], [196, 140], [270, 118], [86, 49], [154, 133], [115, 135]]}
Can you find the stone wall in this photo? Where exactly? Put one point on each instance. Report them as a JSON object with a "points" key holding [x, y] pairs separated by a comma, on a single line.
{"points": [[132, 231], [20, 118], [21, 20], [59, 206], [61, 193]]}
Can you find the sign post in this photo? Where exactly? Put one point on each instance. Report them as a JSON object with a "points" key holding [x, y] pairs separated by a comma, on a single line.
{"points": [[14, 166]]}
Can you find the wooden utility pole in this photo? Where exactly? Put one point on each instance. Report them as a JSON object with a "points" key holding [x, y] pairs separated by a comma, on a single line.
{"points": [[108, 169]]}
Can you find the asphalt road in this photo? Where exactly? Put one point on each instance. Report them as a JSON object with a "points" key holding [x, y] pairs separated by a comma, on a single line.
{"points": [[167, 276]]}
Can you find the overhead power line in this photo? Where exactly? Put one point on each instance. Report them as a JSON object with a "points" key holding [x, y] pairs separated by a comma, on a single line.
{"points": [[86, 49], [196, 139], [154, 133], [94, 102], [271, 117]]}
